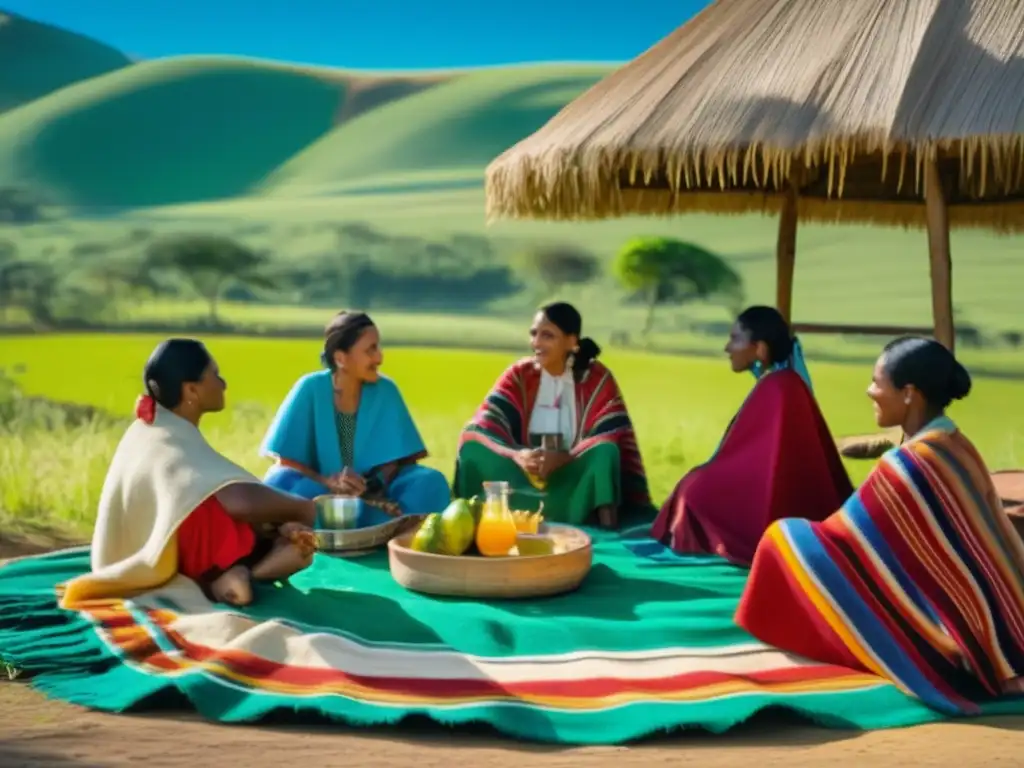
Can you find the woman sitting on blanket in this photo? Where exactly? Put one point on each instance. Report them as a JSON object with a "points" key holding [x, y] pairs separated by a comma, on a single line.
{"points": [[919, 577], [562, 390], [346, 430], [777, 457], [172, 504]]}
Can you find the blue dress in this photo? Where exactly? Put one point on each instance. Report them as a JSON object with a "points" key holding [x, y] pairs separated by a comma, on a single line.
{"points": [[308, 430]]}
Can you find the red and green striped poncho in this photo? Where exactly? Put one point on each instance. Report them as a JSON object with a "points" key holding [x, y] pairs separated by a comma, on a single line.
{"points": [[501, 423]]}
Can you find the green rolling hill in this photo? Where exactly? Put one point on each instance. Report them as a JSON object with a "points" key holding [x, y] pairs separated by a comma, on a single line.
{"points": [[441, 137], [37, 59], [181, 129], [110, 135]]}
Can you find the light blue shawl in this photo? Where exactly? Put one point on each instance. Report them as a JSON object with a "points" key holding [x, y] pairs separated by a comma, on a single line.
{"points": [[305, 428], [795, 363]]}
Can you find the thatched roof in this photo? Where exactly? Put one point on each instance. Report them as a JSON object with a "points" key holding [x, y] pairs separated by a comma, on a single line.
{"points": [[847, 99]]}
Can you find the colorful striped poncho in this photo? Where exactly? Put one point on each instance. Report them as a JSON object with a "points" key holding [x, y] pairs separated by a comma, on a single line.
{"points": [[502, 421], [919, 578]]}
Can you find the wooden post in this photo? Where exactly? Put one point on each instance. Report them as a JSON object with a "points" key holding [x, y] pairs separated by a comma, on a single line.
{"points": [[785, 253], [939, 255]]}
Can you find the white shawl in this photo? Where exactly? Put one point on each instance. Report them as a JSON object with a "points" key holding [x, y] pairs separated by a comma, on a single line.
{"points": [[159, 474]]}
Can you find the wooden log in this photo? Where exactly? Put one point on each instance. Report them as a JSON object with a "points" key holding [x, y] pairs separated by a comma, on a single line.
{"points": [[940, 260], [785, 253]]}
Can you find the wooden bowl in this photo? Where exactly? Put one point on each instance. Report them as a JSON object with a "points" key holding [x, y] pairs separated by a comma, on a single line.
{"points": [[868, 446], [1009, 485], [495, 577]]}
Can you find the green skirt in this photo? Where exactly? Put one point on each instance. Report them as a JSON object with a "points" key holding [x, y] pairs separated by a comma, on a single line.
{"points": [[573, 492]]}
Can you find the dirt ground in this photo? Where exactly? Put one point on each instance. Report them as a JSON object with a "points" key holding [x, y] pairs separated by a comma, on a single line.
{"points": [[37, 732]]}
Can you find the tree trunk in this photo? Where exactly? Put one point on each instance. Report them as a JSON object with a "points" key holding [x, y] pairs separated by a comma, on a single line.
{"points": [[213, 298], [652, 302], [110, 289]]}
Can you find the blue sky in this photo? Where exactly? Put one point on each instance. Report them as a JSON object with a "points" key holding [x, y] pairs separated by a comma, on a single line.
{"points": [[373, 34]]}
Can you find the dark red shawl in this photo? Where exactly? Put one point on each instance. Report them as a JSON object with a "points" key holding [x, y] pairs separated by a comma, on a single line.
{"points": [[502, 421], [777, 459]]}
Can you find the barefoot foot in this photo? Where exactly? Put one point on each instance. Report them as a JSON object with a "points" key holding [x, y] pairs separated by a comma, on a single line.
{"points": [[608, 516], [233, 587]]}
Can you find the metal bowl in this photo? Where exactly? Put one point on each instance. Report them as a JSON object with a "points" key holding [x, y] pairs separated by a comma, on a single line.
{"points": [[364, 538], [337, 513], [330, 541]]}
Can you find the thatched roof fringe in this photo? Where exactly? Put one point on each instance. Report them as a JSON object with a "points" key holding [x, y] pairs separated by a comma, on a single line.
{"points": [[833, 97], [1005, 218], [988, 165]]}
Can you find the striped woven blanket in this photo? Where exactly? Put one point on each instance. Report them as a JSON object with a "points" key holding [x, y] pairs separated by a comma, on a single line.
{"points": [[648, 644], [919, 578]]}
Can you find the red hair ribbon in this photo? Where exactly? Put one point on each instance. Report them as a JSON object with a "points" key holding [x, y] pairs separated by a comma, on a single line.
{"points": [[145, 408]]}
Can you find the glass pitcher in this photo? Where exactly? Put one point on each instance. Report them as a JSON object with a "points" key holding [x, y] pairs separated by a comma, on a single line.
{"points": [[496, 531]]}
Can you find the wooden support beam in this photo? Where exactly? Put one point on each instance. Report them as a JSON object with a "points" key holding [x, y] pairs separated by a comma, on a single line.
{"points": [[785, 253], [855, 329], [941, 263]]}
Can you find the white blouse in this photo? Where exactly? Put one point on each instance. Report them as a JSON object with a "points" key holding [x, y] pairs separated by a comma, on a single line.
{"points": [[555, 409]]}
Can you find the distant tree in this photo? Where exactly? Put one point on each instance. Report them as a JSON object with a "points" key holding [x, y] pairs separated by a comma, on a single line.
{"points": [[358, 233], [476, 247], [1013, 338], [8, 255], [662, 271], [970, 336], [21, 205], [89, 249], [30, 285], [208, 263], [436, 256], [138, 235], [115, 277], [557, 266], [8, 251]]}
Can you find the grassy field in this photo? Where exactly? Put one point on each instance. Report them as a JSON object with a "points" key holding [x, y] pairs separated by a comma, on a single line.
{"points": [[680, 407], [508, 329]]}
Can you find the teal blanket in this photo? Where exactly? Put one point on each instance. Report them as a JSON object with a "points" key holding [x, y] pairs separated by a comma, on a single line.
{"points": [[647, 645]]}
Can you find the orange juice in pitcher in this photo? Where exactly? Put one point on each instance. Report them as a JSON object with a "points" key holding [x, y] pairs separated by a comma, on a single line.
{"points": [[496, 532]]}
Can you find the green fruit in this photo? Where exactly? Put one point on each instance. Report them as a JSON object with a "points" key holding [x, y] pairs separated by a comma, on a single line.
{"points": [[476, 504], [430, 536], [532, 545], [458, 527]]}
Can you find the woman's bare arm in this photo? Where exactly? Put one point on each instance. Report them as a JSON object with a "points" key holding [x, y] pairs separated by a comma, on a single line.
{"points": [[258, 504], [302, 469]]}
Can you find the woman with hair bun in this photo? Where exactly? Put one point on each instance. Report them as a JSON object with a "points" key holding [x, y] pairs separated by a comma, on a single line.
{"points": [[561, 392], [346, 430], [171, 504], [919, 577], [777, 458]]}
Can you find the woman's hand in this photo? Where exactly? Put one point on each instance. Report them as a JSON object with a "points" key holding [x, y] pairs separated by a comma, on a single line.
{"points": [[301, 536], [528, 460], [347, 483], [551, 461]]}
